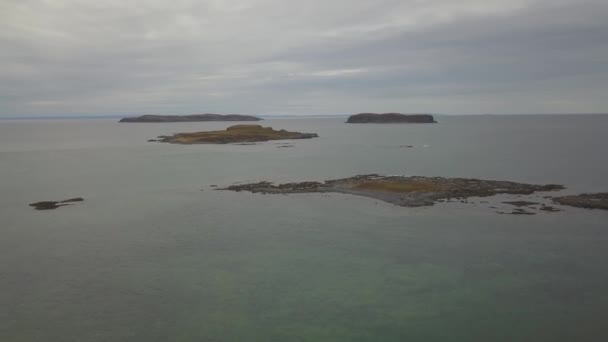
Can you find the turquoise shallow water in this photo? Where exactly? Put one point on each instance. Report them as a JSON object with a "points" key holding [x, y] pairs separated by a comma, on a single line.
{"points": [[150, 257]]}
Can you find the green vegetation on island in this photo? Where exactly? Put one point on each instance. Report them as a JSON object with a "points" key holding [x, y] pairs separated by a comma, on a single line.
{"points": [[235, 134]]}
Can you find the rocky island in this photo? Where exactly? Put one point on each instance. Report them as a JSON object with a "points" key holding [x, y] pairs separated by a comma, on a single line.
{"points": [[391, 118], [235, 134], [191, 118], [404, 191]]}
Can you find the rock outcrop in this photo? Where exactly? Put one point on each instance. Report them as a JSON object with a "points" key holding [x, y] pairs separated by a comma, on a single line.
{"points": [[234, 134], [391, 118], [49, 205], [191, 118]]}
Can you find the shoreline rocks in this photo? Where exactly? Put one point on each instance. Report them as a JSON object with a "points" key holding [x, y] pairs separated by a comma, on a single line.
{"points": [[587, 201], [191, 118], [242, 134], [391, 118]]}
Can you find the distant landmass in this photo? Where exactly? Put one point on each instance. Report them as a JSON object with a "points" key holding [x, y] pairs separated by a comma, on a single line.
{"points": [[191, 118], [391, 118]]}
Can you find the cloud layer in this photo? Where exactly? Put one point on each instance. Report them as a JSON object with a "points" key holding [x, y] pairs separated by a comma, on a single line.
{"points": [[78, 57]]}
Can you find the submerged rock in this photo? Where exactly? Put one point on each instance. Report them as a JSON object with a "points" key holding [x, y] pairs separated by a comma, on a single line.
{"points": [[521, 203], [391, 118], [235, 134], [516, 212], [521, 212], [549, 208]]}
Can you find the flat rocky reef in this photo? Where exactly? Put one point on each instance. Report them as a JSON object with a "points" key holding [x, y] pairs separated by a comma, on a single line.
{"points": [[234, 134], [191, 118], [50, 205], [404, 191], [391, 118], [587, 201]]}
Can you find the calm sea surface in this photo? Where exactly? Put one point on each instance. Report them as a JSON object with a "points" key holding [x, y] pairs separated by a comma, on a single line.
{"points": [[150, 257]]}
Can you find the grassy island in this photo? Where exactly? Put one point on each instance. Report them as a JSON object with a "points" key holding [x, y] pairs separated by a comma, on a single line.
{"points": [[235, 134]]}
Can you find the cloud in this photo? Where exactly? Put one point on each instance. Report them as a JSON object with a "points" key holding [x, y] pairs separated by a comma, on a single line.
{"points": [[69, 57]]}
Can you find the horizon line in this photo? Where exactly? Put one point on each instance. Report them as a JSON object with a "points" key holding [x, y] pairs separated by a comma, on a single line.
{"points": [[270, 116]]}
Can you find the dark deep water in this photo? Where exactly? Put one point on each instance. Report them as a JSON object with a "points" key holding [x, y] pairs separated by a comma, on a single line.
{"points": [[149, 257]]}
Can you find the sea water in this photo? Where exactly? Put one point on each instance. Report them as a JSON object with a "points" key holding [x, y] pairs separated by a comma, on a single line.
{"points": [[154, 253]]}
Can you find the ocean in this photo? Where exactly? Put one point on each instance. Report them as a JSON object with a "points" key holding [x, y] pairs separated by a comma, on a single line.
{"points": [[154, 253]]}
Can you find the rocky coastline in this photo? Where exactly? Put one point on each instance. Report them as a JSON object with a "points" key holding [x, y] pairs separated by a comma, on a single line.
{"points": [[406, 191]]}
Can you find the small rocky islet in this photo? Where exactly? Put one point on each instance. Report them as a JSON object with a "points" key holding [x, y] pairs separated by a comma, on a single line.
{"points": [[242, 134], [191, 118], [406, 191], [50, 205], [391, 118]]}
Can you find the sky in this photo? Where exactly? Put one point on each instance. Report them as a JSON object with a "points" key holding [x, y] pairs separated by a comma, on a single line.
{"points": [[313, 57]]}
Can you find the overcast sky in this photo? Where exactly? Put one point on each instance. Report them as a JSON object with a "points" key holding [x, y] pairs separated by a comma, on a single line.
{"points": [[283, 57]]}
